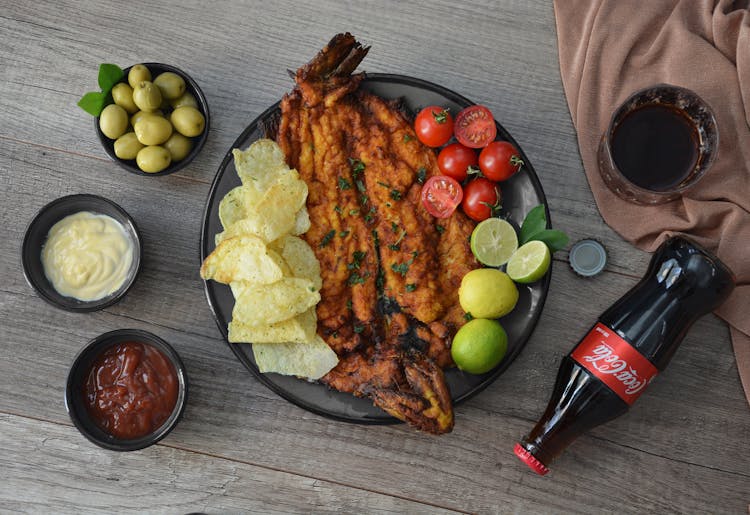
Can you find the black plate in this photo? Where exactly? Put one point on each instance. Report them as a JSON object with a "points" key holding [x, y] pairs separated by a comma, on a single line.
{"points": [[521, 193]]}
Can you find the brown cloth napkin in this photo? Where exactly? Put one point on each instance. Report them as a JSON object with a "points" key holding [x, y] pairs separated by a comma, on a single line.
{"points": [[611, 48]]}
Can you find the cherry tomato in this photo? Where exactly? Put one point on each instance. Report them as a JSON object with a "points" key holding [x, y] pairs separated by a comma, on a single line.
{"points": [[454, 159], [475, 127], [434, 126], [481, 198], [499, 160], [441, 195]]}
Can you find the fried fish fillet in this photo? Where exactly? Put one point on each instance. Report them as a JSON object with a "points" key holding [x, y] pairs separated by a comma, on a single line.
{"points": [[390, 271]]}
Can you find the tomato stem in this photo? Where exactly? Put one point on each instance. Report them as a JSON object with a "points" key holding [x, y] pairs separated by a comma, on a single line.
{"points": [[516, 160], [441, 116]]}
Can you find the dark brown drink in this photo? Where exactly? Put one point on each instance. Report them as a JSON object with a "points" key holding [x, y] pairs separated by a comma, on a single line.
{"points": [[656, 147]]}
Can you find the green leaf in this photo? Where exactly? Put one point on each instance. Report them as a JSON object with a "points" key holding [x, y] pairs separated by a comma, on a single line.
{"points": [[93, 102], [555, 240], [535, 221], [109, 75]]}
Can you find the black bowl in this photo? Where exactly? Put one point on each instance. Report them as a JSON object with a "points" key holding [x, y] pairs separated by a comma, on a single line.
{"points": [[74, 396], [191, 87], [36, 236]]}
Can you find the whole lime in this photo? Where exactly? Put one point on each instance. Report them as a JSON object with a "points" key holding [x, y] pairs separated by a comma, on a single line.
{"points": [[479, 346], [487, 293]]}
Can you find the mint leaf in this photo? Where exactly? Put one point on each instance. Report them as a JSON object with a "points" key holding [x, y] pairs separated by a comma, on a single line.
{"points": [[109, 75], [93, 102], [555, 240], [535, 221]]}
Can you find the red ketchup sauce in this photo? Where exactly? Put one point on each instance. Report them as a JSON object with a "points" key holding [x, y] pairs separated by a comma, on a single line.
{"points": [[131, 390]]}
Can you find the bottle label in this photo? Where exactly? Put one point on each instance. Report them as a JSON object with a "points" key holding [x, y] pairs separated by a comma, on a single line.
{"points": [[615, 362]]}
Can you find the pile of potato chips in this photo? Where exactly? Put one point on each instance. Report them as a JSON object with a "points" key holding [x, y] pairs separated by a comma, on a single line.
{"points": [[274, 275]]}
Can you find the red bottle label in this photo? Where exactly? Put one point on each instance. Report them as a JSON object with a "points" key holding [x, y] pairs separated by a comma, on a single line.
{"points": [[615, 362]]}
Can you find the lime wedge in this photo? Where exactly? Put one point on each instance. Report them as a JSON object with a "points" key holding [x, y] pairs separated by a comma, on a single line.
{"points": [[493, 242], [530, 262]]}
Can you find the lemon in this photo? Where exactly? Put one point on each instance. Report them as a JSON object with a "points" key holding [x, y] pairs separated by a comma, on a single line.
{"points": [[493, 242], [479, 346], [487, 293], [530, 262]]}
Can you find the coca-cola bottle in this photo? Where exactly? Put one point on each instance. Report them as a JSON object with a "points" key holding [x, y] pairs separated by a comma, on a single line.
{"points": [[630, 343]]}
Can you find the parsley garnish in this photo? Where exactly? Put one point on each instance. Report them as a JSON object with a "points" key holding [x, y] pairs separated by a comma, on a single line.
{"points": [[400, 268], [337, 209], [355, 278], [421, 174], [394, 226], [394, 246], [344, 184], [353, 212], [360, 185], [349, 304], [327, 238], [408, 137], [358, 328], [395, 194], [343, 234], [411, 287], [468, 317], [357, 166], [384, 184], [440, 229]]}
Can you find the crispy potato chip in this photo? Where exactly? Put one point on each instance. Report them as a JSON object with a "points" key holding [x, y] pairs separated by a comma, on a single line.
{"points": [[300, 258], [300, 329], [281, 263], [302, 222], [238, 204], [311, 360], [260, 163], [244, 258], [262, 305]]}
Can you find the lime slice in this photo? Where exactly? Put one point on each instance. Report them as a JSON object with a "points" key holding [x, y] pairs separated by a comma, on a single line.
{"points": [[530, 262], [493, 242], [479, 346]]}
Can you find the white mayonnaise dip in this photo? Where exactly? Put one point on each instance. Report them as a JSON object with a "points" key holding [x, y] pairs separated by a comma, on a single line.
{"points": [[87, 256]]}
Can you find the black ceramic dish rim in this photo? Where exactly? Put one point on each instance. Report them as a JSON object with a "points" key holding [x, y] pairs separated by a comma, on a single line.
{"points": [[95, 305], [129, 164], [94, 348]]}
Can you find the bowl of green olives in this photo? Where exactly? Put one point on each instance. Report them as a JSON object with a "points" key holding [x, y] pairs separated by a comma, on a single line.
{"points": [[158, 122]]}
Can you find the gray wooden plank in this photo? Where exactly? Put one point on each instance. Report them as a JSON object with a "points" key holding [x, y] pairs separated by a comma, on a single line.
{"points": [[46, 468]]}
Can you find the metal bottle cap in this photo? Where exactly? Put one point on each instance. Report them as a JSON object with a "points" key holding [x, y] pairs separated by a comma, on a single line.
{"points": [[587, 257]]}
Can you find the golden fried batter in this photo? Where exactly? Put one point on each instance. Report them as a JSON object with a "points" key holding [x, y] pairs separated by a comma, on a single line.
{"points": [[390, 271]]}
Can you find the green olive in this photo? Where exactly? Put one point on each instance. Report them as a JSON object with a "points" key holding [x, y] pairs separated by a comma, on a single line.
{"points": [[113, 121], [140, 114], [171, 85], [153, 130], [187, 99], [138, 73], [147, 96], [127, 146], [122, 94], [188, 121], [179, 146], [153, 159]]}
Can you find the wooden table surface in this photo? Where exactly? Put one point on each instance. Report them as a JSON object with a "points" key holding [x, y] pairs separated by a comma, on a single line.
{"points": [[683, 448]]}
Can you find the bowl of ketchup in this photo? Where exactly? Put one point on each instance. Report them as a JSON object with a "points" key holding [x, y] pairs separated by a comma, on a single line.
{"points": [[126, 390]]}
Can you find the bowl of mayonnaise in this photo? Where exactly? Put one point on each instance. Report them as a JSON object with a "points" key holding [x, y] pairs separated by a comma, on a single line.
{"points": [[81, 253]]}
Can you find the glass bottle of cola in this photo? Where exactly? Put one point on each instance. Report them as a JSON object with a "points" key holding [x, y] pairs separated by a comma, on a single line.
{"points": [[630, 343]]}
